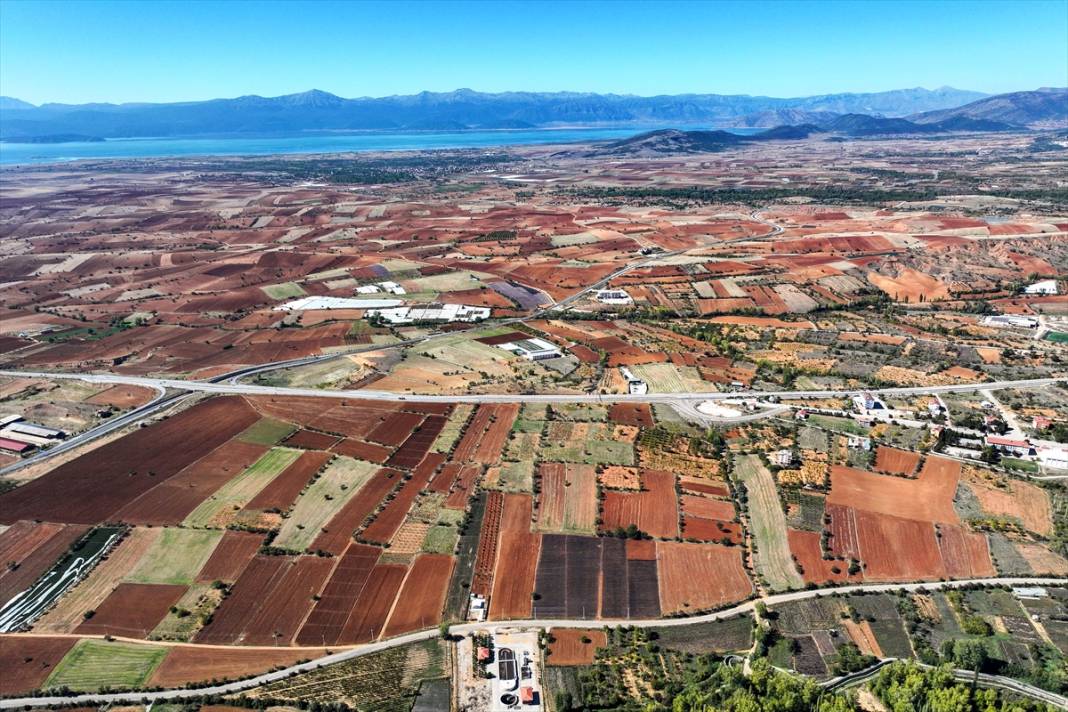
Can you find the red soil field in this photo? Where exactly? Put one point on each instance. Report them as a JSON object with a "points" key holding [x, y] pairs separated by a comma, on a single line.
{"points": [[641, 550], [517, 560], [27, 661], [929, 497], [689, 484], [894, 461], [311, 440], [338, 599], [184, 665], [170, 502], [805, 547], [567, 646], [639, 414], [386, 522], [28, 549], [462, 486], [896, 549], [395, 429], [653, 510], [710, 530], [695, 577], [368, 618], [965, 554], [232, 554], [132, 610], [362, 450], [486, 434], [567, 488], [283, 610], [337, 534], [251, 589], [100, 483], [486, 554], [281, 492], [122, 396], [696, 506], [416, 446], [845, 540], [422, 596]]}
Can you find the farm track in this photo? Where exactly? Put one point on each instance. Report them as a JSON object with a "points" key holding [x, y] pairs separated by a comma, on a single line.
{"points": [[147, 697]]}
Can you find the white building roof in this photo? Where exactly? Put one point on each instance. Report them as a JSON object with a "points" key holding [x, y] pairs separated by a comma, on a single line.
{"points": [[313, 303]]}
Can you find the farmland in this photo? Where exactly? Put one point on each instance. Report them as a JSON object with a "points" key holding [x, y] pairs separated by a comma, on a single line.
{"points": [[768, 524], [233, 532]]}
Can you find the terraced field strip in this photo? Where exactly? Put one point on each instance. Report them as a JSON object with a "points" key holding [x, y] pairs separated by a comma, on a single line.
{"points": [[239, 491], [768, 524], [176, 557], [323, 499], [93, 664]]}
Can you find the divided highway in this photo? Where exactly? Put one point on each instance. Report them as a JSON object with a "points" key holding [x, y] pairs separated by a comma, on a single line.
{"points": [[227, 386]]}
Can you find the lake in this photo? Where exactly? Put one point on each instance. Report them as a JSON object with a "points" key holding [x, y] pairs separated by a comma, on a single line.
{"points": [[30, 153]]}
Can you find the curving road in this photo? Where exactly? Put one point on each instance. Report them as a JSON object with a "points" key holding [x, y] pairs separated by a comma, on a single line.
{"points": [[135, 697]]}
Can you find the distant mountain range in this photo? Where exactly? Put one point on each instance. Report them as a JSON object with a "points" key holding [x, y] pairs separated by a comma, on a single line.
{"points": [[675, 141], [462, 109], [1043, 108]]}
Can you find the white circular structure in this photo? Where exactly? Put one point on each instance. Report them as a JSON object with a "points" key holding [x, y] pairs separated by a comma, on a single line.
{"points": [[717, 410]]}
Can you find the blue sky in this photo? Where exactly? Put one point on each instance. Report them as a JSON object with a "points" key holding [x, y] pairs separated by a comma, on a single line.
{"points": [[96, 50]]}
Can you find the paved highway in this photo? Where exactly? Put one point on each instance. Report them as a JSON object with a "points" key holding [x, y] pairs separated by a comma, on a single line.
{"points": [[135, 697], [667, 398]]}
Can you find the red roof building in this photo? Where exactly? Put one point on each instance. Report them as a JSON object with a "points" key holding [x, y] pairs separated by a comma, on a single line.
{"points": [[14, 446], [526, 695]]}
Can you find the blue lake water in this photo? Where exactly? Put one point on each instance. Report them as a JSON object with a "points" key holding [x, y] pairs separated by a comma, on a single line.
{"points": [[29, 153]]}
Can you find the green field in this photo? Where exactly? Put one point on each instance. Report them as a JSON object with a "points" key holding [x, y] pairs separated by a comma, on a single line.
{"points": [[285, 290], [589, 452], [768, 524], [1016, 464], [176, 556], [267, 431], [199, 601], [668, 378], [581, 411], [813, 439], [239, 491], [448, 436], [522, 446], [448, 282], [842, 425], [92, 664], [440, 539], [323, 498], [516, 476]]}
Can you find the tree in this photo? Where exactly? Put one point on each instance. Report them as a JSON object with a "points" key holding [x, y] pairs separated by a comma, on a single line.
{"points": [[970, 655]]}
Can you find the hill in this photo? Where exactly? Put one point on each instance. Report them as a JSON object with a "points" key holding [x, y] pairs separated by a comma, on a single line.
{"points": [[1042, 108], [321, 111]]}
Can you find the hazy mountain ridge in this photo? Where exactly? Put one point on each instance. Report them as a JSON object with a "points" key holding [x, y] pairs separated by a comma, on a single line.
{"points": [[1042, 108], [321, 111]]}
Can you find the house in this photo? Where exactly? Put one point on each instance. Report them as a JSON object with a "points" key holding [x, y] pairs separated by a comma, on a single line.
{"points": [[801, 414], [782, 458], [856, 442], [1040, 422], [867, 401], [1011, 446], [614, 296], [526, 695], [635, 385]]}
